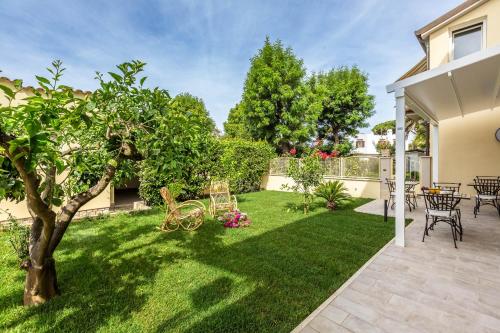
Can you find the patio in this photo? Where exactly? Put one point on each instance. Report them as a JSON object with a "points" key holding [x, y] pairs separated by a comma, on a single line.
{"points": [[422, 287]]}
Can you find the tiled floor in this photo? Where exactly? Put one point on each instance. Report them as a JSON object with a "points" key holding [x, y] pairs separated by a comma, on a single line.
{"points": [[424, 287]]}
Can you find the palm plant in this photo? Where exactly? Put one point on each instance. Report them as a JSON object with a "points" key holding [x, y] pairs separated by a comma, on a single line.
{"points": [[334, 192]]}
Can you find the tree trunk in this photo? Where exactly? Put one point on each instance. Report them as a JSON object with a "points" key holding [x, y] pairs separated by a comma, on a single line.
{"points": [[41, 283], [331, 205]]}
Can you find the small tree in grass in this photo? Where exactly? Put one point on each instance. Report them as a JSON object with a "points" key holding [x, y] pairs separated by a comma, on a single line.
{"points": [[58, 150], [307, 173]]}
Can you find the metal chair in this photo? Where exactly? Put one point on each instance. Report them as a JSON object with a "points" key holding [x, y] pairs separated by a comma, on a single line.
{"points": [[442, 208], [488, 192], [410, 195], [449, 186]]}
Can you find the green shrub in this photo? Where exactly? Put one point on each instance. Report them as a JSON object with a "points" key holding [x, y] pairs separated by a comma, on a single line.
{"points": [[334, 192], [306, 173], [243, 163], [183, 150], [19, 239]]}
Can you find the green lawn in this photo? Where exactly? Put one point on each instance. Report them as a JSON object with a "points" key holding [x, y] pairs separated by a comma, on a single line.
{"points": [[120, 274]]}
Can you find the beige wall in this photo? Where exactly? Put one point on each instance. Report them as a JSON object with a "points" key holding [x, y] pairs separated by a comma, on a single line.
{"points": [[356, 188], [440, 40], [19, 210], [468, 148]]}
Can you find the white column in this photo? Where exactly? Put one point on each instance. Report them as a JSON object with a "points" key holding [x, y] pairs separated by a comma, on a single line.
{"points": [[400, 167], [435, 153]]}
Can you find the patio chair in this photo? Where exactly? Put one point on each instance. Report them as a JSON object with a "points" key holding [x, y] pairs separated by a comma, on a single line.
{"points": [[442, 207], [189, 215], [410, 195], [452, 187], [220, 198], [488, 192]]}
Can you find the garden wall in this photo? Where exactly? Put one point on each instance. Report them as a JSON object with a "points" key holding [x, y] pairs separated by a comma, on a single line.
{"points": [[362, 175], [359, 188]]}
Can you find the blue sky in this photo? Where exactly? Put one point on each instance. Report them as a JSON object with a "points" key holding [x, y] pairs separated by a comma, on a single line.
{"points": [[203, 47]]}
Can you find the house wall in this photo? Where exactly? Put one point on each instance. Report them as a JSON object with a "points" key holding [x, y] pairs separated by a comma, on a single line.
{"points": [[440, 40], [19, 210], [468, 148]]}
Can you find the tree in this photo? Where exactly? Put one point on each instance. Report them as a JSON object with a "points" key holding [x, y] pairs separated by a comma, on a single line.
{"points": [[235, 126], [306, 173], [180, 149], [344, 102], [383, 128], [274, 103], [414, 125], [60, 150]]}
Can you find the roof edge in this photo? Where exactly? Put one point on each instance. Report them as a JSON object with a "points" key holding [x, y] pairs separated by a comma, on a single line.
{"points": [[447, 17]]}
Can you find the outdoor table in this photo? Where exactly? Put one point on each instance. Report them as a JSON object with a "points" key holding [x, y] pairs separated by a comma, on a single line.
{"points": [[461, 196]]}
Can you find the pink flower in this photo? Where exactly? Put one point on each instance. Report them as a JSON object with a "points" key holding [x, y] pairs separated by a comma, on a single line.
{"points": [[293, 151]]}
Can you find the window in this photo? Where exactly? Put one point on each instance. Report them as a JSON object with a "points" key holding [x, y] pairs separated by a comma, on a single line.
{"points": [[360, 144], [467, 40]]}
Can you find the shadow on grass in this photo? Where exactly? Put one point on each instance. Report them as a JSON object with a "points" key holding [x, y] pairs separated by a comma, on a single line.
{"points": [[295, 268], [97, 282], [106, 272]]}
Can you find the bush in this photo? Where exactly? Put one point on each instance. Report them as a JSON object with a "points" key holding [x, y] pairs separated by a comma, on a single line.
{"points": [[243, 163], [183, 150], [19, 239], [307, 173], [334, 192]]}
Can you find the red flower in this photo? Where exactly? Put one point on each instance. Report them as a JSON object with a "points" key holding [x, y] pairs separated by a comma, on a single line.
{"points": [[293, 151]]}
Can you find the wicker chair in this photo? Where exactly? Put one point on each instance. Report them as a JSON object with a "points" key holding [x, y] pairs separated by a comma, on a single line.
{"points": [[220, 198], [189, 215]]}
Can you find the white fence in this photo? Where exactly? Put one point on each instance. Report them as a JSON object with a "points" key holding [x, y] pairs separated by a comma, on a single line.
{"points": [[362, 167]]}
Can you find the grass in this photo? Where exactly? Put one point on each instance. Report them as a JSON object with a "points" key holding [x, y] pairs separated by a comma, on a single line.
{"points": [[119, 274]]}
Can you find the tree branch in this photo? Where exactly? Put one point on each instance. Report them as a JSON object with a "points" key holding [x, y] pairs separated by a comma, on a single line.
{"points": [[68, 211]]}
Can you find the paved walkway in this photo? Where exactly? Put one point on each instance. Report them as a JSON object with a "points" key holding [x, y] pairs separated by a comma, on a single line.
{"points": [[424, 287]]}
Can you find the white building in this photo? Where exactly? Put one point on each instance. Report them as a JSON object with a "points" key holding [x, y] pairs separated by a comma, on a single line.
{"points": [[367, 143]]}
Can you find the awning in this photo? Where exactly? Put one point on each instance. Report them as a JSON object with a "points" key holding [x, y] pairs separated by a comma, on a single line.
{"points": [[460, 87]]}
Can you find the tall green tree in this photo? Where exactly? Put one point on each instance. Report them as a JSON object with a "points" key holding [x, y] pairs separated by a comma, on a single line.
{"points": [[274, 103], [342, 96], [382, 128], [235, 126]]}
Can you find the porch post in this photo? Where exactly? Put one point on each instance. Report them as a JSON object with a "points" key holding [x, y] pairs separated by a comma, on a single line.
{"points": [[435, 153], [400, 167]]}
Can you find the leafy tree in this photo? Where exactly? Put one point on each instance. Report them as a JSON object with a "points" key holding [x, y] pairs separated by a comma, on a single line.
{"points": [[275, 106], [306, 173], [181, 148], [63, 151], [383, 128], [417, 126], [342, 96], [235, 126]]}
